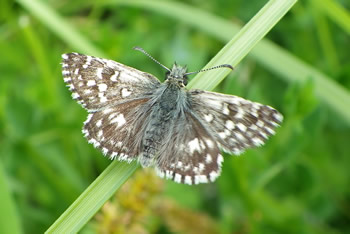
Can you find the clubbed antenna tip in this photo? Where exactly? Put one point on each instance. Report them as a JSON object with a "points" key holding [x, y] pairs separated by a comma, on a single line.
{"points": [[227, 65], [208, 69]]}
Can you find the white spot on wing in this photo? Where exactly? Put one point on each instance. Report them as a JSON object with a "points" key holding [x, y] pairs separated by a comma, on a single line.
{"points": [[253, 127], [257, 141], [75, 95], [222, 135], [87, 91], [160, 173], [239, 136], [210, 143], [99, 123], [102, 87], [208, 158], [263, 135], [194, 145], [229, 125], [114, 155], [240, 113], [125, 92], [104, 150], [111, 116], [188, 180], [107, 111], [88, 118], [279, 117], [208, 117], [260, 123], [179, 164], [120, 120], [225, 109], [213, 175], [99, 72], [201, 167], [270, 130], [220, 159], [177, 178], [114, 76], [110, 63], [242, 127], [88, 61], [200, 179], [103, 99], [91, 83], [94, 142], [169, 174], [237, 151]]}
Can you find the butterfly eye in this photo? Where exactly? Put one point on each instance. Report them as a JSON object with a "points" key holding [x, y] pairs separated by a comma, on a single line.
{"points": [[185, 80], [167, 74]]}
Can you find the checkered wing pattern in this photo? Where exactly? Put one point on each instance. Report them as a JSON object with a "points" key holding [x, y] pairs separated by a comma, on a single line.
{"points": [[132, 116], [115, 96], [235, 123], [98, 83], [192, 156]]}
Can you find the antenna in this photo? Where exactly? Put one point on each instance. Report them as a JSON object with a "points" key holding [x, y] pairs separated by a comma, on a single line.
{"points": [[208, 69], [143, 51], [188, 73]]}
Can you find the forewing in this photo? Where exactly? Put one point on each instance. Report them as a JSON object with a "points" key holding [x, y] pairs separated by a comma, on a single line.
{"points": [[191, 156], [97, 83], [236, 123], [117, 131]]}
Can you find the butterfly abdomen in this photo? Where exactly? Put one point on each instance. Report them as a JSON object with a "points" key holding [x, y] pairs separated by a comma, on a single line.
{"points": [[162, 118]]}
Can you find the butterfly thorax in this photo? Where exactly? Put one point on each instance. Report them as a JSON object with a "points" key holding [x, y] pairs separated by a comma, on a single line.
{"points": [[167, 108]]}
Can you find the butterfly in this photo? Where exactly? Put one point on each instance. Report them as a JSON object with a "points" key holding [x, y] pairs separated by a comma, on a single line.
{"points": [[179, 132]]}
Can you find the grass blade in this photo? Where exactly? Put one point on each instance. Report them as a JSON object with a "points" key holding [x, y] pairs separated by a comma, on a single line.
{"points": [[93, 198], [273, 57], [81, 210], [9, 220], [60, 27]]}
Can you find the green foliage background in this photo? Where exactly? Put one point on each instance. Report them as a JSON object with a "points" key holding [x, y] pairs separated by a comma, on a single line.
{"points": [[297, 183]]}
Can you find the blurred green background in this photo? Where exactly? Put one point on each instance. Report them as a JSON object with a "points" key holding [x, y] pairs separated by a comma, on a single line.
{"points": [[297, 183]]}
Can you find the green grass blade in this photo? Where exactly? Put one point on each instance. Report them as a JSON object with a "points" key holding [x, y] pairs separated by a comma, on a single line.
{"points": [[90, 201], [273, 57], [83, 209], [336, 12], [9, 220], [60, 27], [291, 69], [93, 198], [237, 48]]}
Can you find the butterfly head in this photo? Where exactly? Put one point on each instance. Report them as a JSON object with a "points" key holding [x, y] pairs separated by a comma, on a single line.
{"points": [[177, 75]]}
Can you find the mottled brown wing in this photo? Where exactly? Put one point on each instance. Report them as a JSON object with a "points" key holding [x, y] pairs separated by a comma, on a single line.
{"points": [[97, 83], [235, 123]]}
